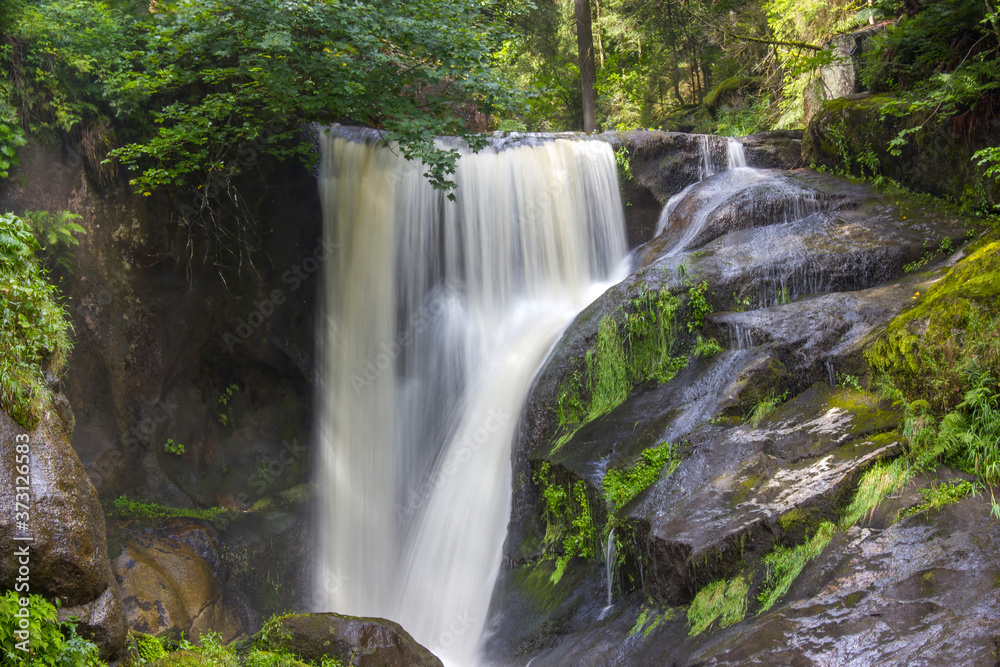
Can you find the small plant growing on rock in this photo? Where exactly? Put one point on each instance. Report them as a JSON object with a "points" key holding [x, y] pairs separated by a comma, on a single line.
{"points": [[765, 407], [173, 447]]}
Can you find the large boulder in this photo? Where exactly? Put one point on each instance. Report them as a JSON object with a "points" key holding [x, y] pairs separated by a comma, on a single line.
{"points": [[68, 553], [853, 134], [359, 642], [175, 582]]}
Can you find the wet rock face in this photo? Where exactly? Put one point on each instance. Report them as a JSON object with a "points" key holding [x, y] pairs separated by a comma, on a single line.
{"points": [[360, 642], [736, 484], [68, 557], [802, 269], [921, 592], [664, 163]]}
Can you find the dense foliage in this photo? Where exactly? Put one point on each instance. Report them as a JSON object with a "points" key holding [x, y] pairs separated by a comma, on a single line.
{"points": [[188, 95], [52, 644], [33, 325]]}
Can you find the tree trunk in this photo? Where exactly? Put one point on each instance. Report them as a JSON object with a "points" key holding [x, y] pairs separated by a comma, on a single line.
{"points": [[588, 75]]}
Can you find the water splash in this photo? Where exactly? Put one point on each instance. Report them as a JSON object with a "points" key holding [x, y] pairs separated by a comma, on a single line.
{"points": [[438, 315]]}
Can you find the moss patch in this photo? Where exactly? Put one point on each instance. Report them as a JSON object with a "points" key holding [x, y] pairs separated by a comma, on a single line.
{"points": [[723, 601], [640, 348], [926, 351], [621, 486], [784, 564]]}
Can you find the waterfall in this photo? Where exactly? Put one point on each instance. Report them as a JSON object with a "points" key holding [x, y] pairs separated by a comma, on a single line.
{"points": [[735, 159], [438, 314]]}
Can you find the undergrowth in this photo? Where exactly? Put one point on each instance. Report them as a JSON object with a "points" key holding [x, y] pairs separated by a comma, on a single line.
{"points": [[47, 642]]}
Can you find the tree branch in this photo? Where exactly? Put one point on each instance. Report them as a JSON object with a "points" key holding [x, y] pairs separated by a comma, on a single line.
{"points": [[774, 42]]}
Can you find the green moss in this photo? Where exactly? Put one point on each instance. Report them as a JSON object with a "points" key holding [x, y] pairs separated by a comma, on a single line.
{"points": [[792, 519], [640, 348], [733, 84], [784, 564], [854, 598], [927, 351], [723, 601], [621, 486], [569, 526], [880, 481], [640, 622], [127, 508]]}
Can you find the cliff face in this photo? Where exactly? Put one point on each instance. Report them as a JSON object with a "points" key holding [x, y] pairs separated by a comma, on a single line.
{"points": [[171, 347]]}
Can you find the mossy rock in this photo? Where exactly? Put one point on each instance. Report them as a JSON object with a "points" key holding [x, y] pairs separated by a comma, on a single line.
{"points": [[970, 289], [360, 642], [935, 160], [730, 92]]}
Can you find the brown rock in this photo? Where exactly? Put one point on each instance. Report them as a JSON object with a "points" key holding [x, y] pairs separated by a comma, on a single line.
{"points": [[362, 642], [167, 586], [69, 552]]}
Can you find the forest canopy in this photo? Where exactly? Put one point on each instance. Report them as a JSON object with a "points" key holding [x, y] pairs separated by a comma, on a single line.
{"points": [[187, 94]]}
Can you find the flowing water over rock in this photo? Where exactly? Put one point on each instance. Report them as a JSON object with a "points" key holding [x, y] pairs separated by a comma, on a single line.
{"points": [[801, 268], [438, 315]]}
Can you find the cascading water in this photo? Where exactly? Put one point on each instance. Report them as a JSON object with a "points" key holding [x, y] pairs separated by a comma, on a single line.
{"points": [[438, 315], [735, 159]]}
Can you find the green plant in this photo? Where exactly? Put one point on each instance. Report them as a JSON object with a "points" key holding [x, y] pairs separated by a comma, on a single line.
{"points": [[940, 495], [785, 563], [56, 235], [621, 486], [127, 508], [172, 447], [144, 649], [11, 138], [849, 381], [880, 481], [765, 407], [568, 521], [624, 166], [723, 601], [705, 348], [698, 306], [34, 328], [223, 402], [49, 643]]}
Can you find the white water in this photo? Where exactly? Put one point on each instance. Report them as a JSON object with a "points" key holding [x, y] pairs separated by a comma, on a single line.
{"points": [[735, 159], [438, 316]]}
